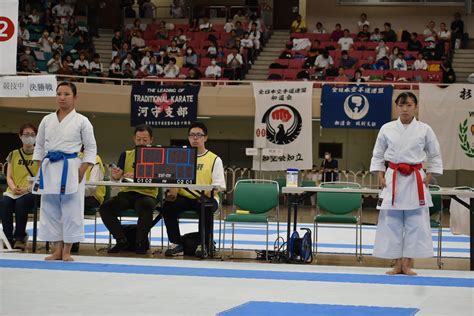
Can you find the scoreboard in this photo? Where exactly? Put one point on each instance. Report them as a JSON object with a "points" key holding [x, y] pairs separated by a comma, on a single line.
{"points": [[161, 164]]}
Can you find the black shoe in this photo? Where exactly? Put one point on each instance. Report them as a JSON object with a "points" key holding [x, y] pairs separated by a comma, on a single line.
{"points": [[175, 251], [75, 247], [122, 244], [141, 248]]}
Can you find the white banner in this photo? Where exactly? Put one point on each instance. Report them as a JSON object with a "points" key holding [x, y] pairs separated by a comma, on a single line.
{"points": [[14, 86], [42, 86], [8, 36], [283, 121], [450, 113]]}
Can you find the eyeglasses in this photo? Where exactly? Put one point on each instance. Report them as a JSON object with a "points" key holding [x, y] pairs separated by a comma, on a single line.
{"points": [[29, 135], [197, 135]]}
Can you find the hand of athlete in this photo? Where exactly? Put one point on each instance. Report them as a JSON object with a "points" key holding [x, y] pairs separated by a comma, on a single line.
{"points": [[171, 195], [82, 171], [428, 179], [382, 180]]}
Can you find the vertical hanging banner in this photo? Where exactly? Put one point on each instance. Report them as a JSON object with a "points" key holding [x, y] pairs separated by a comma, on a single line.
{"points": [[283, 112], [8, 36], [450, 113], [163, 106], [355, 106]]}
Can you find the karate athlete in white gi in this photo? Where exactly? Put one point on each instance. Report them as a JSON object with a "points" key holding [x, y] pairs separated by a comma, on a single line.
{"points": [[61, 180], [403, 230]]}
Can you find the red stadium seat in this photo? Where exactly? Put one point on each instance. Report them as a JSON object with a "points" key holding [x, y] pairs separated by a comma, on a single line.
{"points": [[284, 62], [272, 71], [290, 74], [295, 63]]}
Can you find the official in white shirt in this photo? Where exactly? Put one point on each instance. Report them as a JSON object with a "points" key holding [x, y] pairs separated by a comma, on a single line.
{"points": [[403, 230], [61, 180]]}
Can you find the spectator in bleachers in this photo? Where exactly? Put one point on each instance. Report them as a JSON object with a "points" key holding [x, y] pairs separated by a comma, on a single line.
{"points": [[449, 76], [148, 9], [162, 32], [81, 65], [414, 44], [45, 42], [393, 56], [213, 71], [239, 17], [54, 64], [319, 29], [58, 45], [47, 20], [400, 63], [63, 11], [129, 60], [171, 70], [24, 66], [163, 58], [83, 45], [212, 50], [138, 43], [190, 58], [444, 34], [177, 9], [26, 55], [420, 63], [364, 35], [363, 21], [137, 26], [388, 34], [193, 74], [231, 40], [34, 18], [66, 69], [239, 31], [298, 25], [116, 43], [235, 62], [146, 58], [346, 42], [323, 61], [206, 25], [220, 52], [246, 44], [72, 27], [180, 38], [228, 26], [381, 51], [347, 62], [457, 28], [95, 66], [173, 49], [122, 53], [337, 33], [256, 20], [430, 33], [67, 59], [341, 75], [254, 35], [23, 33], [194, 25], [57, 31], [128, 72], [376, 36], [153, 69], [358, 76], [115, 71]]}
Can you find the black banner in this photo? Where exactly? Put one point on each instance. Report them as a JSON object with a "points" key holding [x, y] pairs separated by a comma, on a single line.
{"points": [[163, 106]]}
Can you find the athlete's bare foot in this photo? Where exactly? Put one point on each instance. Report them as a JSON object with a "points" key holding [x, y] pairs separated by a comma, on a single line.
{"points": [[67, 257], [407, 264], [54, 256], [408, 271], [395, 270]]}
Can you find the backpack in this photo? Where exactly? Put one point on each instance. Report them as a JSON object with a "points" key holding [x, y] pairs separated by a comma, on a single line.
{"points": [[190, 243]]}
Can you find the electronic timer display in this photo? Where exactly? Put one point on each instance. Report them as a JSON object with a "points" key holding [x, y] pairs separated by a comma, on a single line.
{"points": [[159, 164]]}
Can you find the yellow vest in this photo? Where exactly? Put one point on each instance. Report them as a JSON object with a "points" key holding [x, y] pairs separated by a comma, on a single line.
{"points": [[19, 172], [130, 167], [205, 165], [100, 192]]}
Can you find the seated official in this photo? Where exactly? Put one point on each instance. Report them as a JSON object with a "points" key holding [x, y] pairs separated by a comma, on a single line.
{"points": [[142, 200], [210, 170], [18, 199], [94, 195]]}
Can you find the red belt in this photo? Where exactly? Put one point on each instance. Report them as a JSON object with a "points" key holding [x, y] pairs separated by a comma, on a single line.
{"points": [[406, 170]]}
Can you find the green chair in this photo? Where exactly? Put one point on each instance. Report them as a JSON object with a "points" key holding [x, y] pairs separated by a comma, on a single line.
{"points": [[258, 197], [436, 220], [340, 208]]}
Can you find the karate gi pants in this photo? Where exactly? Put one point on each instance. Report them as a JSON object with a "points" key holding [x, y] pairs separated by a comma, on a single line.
{"points": [[62, 217], [403, 234]]}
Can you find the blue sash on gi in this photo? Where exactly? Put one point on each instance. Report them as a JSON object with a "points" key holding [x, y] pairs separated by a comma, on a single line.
{"points": [[55, 156]]}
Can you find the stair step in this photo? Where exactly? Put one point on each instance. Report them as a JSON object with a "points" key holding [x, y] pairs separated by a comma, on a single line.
{"points": [[260, 67], [464, 51], [256, 77]]}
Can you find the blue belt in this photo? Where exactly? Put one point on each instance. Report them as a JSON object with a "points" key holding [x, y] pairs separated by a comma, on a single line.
{"points": [[55, 156]]}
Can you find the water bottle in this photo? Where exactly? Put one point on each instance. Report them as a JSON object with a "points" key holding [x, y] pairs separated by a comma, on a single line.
{"points": [[292, 177]]}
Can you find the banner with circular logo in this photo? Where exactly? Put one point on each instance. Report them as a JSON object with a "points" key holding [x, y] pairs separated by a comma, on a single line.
{"points": [[8, 36]]}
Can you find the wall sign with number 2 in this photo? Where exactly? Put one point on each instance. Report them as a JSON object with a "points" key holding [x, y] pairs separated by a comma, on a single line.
{"points": [[7, 29]]}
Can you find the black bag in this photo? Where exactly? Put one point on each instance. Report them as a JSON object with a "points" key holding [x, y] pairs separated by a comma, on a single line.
{"points": [[130, 231], [277, 66], [190, 243]]}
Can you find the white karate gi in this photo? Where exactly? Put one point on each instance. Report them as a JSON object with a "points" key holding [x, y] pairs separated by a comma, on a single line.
{"points": [[404, 228], [61, 216]]}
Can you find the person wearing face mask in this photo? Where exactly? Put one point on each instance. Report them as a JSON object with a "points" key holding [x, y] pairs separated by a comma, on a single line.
{"points": [[27, 56], [18, 199], [190, 59], [213, 71], [329, 168]]}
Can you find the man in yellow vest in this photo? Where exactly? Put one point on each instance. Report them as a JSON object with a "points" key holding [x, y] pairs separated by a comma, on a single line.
{"points": [[210, 170], [143, 200]]}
